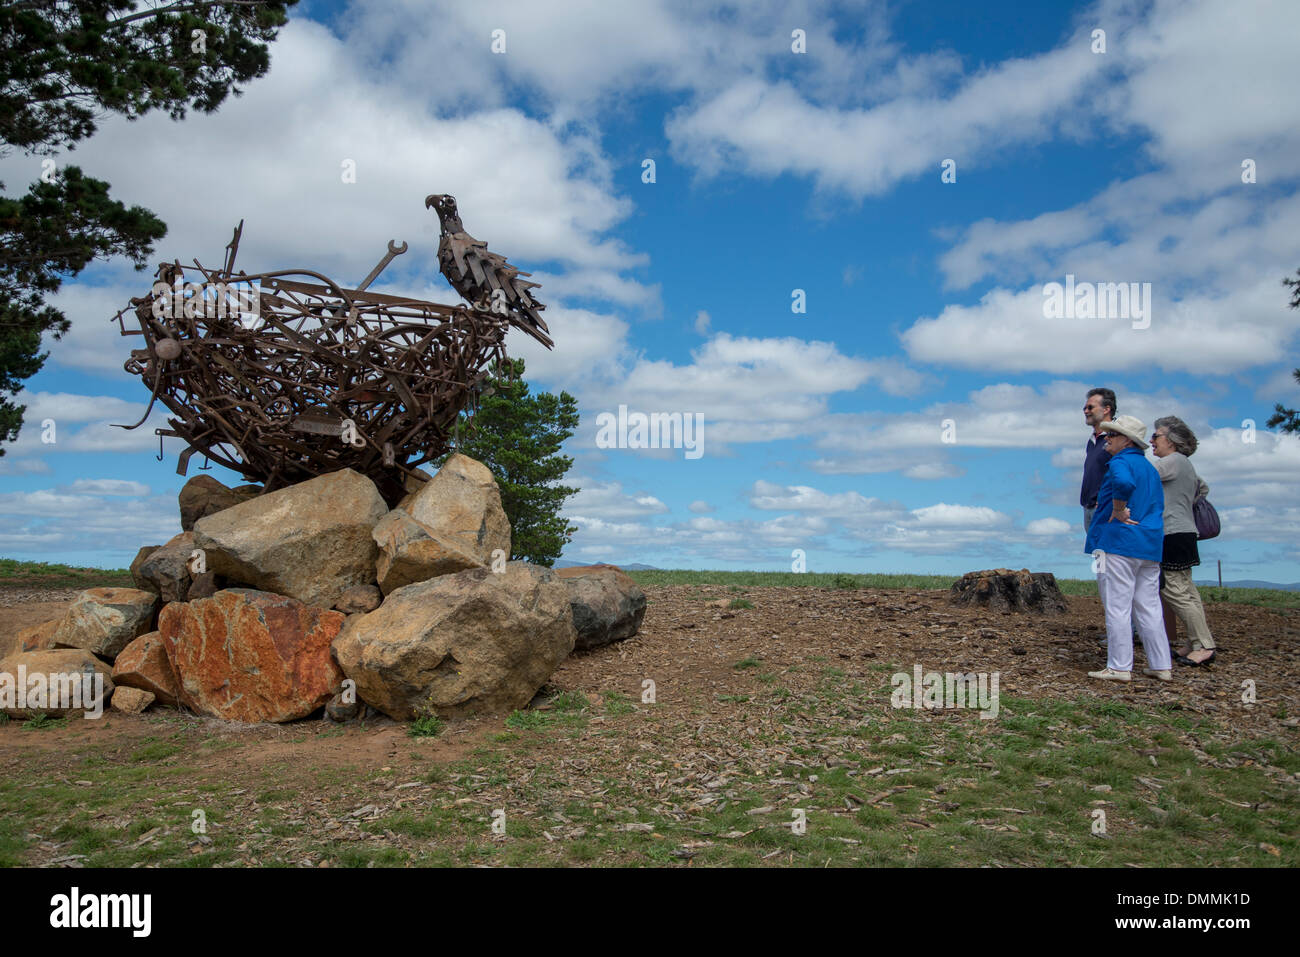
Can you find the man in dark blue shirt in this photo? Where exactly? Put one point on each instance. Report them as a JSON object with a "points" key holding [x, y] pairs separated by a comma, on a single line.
{"points": [[1099, 407]]}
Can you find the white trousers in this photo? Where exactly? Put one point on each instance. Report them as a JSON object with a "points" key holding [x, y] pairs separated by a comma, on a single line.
{"points": [[1130, 594]]}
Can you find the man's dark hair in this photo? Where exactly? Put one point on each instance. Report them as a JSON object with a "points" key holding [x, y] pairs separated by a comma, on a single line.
{"points": [[1107, 399]]}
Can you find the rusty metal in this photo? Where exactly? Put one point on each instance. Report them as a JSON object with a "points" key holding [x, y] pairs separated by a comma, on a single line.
{"points": [[484, 278], [302, 377], [393, 252]]}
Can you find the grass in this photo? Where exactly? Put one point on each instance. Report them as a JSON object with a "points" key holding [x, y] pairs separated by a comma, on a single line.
{"points": [[1263, 597], [617, 704], [18, 574], [876, 787], [14, 573], [425, 726], [39, 722], [567, 709], [903, 788], [741, 603], [155, 751]]}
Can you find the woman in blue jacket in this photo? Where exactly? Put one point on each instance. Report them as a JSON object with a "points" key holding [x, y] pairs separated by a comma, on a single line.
{"points": [[1126, 539]]}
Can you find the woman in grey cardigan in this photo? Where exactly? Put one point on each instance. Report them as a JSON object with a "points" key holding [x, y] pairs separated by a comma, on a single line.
{"points": [[1172, 441]]}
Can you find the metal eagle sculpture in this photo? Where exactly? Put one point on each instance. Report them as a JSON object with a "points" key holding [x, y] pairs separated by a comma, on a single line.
{"points": [[282, 376], [483, 277]]}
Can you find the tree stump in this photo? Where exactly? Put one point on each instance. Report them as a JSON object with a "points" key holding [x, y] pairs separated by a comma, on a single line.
{"points": [[1001, 589]]}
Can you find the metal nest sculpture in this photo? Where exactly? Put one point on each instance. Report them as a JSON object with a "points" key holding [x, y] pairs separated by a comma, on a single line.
{"points": [[283, 376]]}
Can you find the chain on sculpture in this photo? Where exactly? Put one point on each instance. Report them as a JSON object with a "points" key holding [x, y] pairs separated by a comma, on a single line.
{"points": [[283, 376]]}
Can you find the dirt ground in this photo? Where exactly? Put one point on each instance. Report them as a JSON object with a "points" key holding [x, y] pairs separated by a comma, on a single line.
{"points": [[690, 642], [690, 646]]}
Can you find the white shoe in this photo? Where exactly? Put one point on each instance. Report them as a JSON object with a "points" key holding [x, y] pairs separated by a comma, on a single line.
{"points": [[1164, 674], [1106, 674]]}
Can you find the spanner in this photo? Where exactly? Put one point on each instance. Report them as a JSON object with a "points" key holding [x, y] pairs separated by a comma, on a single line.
{"points": [[393, 252]]}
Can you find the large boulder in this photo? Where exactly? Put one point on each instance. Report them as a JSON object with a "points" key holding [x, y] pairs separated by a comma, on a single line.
{"points": [[59, 683], [451, 523], [412, 484], [33, 638], [144, 664], [462, 503], [166, 570], [310, 541], [203, 585], [410, 552], [103, 621], [140, 557], [246, 655], [607, 604], [460, 644], [203, 495]]}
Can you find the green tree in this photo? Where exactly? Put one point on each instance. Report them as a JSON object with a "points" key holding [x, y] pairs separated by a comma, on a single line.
{"points": [[1289, 419], [64, 66], [518, 437]]}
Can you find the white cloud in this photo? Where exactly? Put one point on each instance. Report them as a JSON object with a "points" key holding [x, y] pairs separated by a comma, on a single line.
{"points": [[549, 197], [84, 486], [608, 502], [933, 470], [79, 427], [959, 516], [804, 498], [1206, 85], [769, 129], [1262, 473], [66, 407], [49, 521], [700, 507], [748, 389], [95, 343], [1048, 527], [1203, 77], [587, 344], [580, 58], [1008, 331]]}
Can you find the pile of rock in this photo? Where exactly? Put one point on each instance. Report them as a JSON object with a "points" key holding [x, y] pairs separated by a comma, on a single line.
{"points": [[268, 607]]}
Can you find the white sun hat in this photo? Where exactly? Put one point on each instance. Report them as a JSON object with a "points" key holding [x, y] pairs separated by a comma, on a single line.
{"points": [[1128, 426]]}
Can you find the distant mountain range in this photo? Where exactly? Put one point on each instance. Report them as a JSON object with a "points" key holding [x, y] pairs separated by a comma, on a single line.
{"points": [[637, 567]]}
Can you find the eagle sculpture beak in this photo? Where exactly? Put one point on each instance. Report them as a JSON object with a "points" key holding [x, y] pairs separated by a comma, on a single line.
{"points": [[431, 199]]}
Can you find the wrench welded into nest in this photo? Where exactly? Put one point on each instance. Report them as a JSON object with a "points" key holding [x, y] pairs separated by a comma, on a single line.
{"points": [[393, 252]]}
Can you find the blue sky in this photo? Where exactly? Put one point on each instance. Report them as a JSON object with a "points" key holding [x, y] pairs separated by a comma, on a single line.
{"points": [[774, 171]]}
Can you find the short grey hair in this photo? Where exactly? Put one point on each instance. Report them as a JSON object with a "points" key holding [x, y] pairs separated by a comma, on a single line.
{"points": [[1180, 436]]}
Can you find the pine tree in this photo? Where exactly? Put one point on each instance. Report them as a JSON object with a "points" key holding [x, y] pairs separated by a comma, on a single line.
{"points": [[1288, 419], [63, 65], [518, 437]]}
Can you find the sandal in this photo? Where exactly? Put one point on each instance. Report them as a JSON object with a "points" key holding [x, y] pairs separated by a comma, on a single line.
{"points": [[1184, 660]]}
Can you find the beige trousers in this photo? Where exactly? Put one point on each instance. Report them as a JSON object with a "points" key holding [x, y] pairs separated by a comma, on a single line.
{"points": [[1180, 591]]}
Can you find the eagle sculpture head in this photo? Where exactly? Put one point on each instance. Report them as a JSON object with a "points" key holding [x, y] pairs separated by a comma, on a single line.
{"points": [[448, 215]]}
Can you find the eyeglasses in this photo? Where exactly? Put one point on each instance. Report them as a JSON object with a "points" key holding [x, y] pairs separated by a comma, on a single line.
{"points": [[1158, 435]]}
